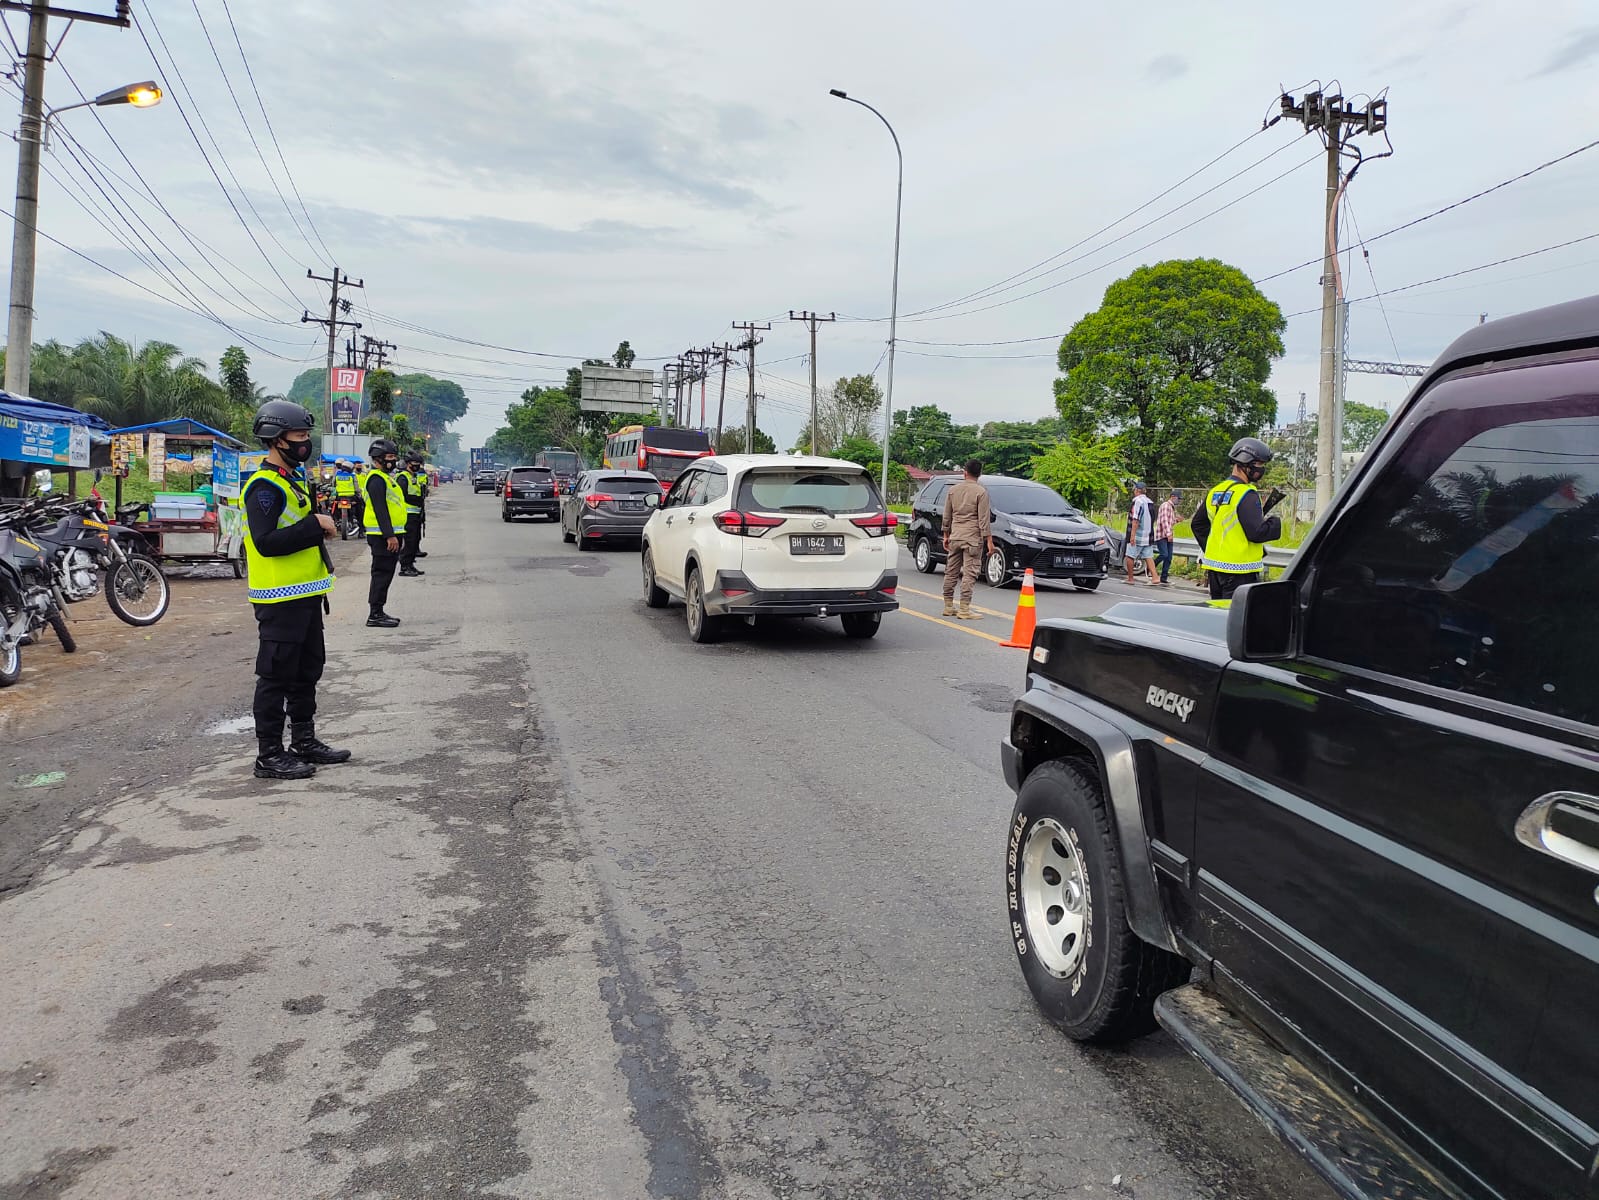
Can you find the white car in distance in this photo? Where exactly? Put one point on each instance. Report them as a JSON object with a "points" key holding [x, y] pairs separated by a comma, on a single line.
{"points": [[771, 535]]}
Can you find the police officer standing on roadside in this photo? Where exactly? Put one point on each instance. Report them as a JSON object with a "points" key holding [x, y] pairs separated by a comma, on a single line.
{"points": [[384, 524], [1233, 526], [413, 483], [290, 578]]}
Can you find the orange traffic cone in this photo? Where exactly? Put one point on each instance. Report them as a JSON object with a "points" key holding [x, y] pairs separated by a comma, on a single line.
{"points": [[1021, 633]]}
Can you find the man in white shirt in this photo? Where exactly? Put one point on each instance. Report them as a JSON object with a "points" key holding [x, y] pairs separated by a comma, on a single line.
{"points": [[1140, 533]]}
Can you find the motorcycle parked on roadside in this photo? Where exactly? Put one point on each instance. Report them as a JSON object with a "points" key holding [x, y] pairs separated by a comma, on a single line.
{"points": [[28, 598], [82, 544]]}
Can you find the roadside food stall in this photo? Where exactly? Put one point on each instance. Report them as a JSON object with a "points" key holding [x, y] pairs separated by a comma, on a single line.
{"points": [[203, 523], [35, 433]]}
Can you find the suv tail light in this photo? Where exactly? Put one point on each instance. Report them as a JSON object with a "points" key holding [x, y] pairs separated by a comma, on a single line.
{"points": [[742, 524], [507, 487], [595, 499], [876, 525]]}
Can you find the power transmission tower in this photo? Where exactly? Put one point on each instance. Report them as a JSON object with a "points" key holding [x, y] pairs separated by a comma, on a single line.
{"points": [[725, 353], [337, 280], [750, 328], [812, 320], [1336, 121], [30, 138]]}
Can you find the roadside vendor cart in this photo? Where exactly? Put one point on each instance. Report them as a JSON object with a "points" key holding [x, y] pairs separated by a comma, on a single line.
{"points": [[204, 525]]}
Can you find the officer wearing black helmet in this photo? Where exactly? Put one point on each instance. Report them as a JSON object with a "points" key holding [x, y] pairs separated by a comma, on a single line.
{"points": [[384, 525], [1233, 526], [290, 577], [414, 484]]}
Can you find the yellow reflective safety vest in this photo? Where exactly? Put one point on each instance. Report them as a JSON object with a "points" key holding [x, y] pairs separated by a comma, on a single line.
{"points": [[1227, 550], [396, 504], [413, 490], [344, 484], [276, 578]]}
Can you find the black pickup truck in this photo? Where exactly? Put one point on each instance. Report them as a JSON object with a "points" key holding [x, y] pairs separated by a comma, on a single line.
{"points": [[1342, 839]]}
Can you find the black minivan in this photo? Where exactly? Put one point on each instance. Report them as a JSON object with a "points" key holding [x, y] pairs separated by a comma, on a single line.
{"points": [[1032, 527]]}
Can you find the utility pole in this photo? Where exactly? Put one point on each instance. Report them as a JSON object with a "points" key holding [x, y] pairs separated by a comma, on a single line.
{"points": [[30, 137], [372, 348], [1336, 121], [337, 280], [812, 320], [697, 362], [725, 352], [750, 328]]}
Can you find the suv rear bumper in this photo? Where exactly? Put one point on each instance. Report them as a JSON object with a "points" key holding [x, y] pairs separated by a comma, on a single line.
{"points": [[520, 507], [751, 601]]}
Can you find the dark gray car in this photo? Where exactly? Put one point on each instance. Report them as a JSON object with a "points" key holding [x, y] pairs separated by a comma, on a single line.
{"points": [[607, 504]]}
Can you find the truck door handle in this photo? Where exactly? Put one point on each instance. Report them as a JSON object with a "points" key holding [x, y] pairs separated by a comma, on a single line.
{"points": [[1563, 825]]}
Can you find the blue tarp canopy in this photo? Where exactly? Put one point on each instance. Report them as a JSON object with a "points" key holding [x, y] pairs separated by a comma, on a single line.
{"points": [[42, 410], [333, 458], [184, 427]]}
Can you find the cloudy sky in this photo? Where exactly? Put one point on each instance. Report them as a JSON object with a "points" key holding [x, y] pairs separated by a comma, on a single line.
{"points": [[554, 176]]}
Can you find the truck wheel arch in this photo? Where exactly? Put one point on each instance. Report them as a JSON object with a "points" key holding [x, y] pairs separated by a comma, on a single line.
{"points": [[1045, 727]]}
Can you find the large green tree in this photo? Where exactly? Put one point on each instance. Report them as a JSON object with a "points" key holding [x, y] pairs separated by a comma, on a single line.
{"points": [[1009, 447], [132, 384], [926, 436], [733, 441], [1174, 363]]}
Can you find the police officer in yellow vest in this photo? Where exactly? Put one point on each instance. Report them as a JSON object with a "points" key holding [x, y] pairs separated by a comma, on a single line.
{"points": [[1233, 526], [385, 527], [413, 482], [290, 578]]}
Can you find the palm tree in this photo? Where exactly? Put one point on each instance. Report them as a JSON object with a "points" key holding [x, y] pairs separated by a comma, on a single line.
{"points": [[129, 384]]}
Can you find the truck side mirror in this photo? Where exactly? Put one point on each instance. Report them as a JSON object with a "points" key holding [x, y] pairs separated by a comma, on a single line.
{"points": [[1263, 621]]}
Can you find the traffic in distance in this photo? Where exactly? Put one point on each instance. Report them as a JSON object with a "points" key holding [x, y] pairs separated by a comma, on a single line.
{"points": [[1337, 831]]}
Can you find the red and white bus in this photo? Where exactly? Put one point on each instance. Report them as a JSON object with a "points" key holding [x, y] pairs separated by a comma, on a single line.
{"points": [[661, 451]]}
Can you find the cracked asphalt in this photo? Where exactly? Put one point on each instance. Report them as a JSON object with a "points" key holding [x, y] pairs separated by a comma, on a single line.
{"points": [[593, 912]]}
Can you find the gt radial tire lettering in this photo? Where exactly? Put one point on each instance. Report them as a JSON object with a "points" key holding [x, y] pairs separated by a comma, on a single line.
{"points": [[1081, 974], [1012, 857]]}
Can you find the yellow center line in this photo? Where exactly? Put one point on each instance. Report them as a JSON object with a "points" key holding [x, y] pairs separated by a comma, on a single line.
{"points": [[911, 612], [936, 596]]}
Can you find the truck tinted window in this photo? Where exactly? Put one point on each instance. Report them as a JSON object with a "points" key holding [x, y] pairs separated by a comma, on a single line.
{"points": [[1473, 563]]}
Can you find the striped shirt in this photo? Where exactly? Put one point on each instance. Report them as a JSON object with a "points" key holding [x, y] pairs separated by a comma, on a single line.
{"points": [[1165, 521]]}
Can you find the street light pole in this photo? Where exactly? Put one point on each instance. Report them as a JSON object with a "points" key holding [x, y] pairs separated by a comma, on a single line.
{"points": [[24, 225], [893, 306]]}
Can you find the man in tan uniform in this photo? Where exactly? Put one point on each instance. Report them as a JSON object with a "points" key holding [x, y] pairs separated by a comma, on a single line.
{"points": [[966, 538]]}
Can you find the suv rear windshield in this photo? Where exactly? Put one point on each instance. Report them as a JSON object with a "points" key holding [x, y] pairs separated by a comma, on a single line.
{"points": [[1013, 498], [532, 474], [626, 485], [808, 489]]}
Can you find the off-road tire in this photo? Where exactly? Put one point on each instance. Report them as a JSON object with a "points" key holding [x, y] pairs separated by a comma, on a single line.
{"points": [[1109, 994], [63, 634]]}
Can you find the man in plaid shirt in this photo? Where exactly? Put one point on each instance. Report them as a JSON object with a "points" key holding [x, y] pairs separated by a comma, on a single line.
{"points": [[1165, 522]]}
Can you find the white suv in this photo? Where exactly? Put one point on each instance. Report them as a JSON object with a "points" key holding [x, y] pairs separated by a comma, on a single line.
{"points": [[767, 535]]}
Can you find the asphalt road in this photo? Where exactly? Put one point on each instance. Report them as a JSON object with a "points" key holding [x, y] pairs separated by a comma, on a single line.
{"points": [[595, 912]]}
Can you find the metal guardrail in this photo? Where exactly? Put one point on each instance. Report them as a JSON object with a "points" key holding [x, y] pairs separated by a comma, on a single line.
{"points": [[1275, 556]]}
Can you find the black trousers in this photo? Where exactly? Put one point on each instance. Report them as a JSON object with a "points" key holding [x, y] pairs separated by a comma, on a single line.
{"points": [[288, 664], [412, 541], [384, 562], [1224, 583]]}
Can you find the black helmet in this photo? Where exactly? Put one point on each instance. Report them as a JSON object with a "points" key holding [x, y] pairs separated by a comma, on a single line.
{"points": [[278, 417], [414, 460], [381, 449], [1247, 451]]}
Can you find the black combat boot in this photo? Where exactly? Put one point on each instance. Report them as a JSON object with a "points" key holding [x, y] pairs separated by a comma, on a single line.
{"points": [[274, 762], [305, 746]]}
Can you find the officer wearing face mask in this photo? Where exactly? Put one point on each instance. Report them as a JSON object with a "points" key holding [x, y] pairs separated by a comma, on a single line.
{"points": [[290, 578], [1233, 526], [385, 528]]}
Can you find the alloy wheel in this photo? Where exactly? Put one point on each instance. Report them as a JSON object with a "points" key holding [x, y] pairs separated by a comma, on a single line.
{"points": [[1054, 897]]}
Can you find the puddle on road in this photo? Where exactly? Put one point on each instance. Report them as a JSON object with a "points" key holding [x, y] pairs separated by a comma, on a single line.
{"points": [[242, 724]]}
